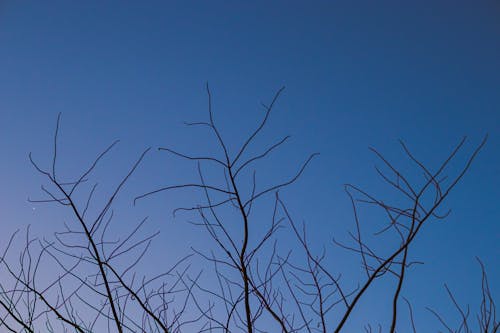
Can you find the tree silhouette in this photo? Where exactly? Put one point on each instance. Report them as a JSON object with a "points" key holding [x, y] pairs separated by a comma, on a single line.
{"points": [[261, 284]]}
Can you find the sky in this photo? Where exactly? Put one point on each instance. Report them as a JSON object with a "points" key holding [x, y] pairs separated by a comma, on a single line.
{"points": [[357, 74]]}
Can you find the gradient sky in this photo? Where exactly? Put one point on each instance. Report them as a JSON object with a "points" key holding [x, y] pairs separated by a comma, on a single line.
{"points": [[357, 74]]}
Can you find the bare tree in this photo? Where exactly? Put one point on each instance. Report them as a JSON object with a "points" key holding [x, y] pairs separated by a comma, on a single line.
{"points": [[92, 287], [262, 285]]}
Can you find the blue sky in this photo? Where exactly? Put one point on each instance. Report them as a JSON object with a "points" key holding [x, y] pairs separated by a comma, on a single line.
{"points": [[357, 74]]}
